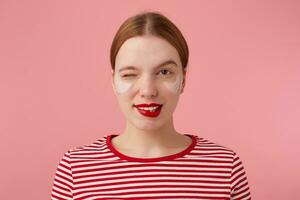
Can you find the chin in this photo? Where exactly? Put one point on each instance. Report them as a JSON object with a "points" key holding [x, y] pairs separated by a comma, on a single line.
{"points": [[147, 125]]}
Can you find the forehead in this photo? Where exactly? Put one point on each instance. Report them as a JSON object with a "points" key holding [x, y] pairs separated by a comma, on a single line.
{"points": [[145, 52]]}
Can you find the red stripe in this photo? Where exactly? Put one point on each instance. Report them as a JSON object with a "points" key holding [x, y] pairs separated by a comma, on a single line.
{"points": [[200, 170]]}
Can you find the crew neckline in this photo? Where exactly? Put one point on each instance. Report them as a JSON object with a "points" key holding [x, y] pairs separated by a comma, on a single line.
{"points": [[156, 159]]}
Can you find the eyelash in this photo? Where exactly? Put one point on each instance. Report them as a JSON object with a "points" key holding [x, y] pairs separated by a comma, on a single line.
{"points": [[131, 75], [166, 70]]}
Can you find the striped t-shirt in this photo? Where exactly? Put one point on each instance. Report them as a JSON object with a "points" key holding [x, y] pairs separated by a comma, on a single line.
{"points": [[204, 170]]}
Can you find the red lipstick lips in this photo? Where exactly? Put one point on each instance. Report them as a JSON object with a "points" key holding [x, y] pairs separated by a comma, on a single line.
{"points": [[147, 105], [149, 110]]}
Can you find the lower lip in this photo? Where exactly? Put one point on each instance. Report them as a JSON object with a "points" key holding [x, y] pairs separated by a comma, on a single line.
{"points": [[148, 113]]}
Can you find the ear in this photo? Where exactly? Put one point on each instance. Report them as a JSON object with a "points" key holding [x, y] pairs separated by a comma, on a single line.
{"points": [[112, 81], [183, 82], [113, 86], [182, 85]]}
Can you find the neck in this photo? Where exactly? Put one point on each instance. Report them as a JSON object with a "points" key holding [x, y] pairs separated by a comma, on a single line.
{"points": [[163, 137]]}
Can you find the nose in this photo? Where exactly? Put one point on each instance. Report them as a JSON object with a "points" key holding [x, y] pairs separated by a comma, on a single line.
{"points": [[148, 88]]}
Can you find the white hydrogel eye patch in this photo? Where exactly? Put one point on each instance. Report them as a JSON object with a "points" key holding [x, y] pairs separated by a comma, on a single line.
{"points": [[175, 86], [121, 86]]}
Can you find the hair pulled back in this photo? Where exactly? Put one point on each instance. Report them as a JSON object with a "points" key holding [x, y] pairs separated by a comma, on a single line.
{"points": [[150, 23]]}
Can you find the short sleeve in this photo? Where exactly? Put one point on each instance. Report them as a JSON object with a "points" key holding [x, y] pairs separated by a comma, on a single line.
{"points": [[63, 181], [239, 184]]}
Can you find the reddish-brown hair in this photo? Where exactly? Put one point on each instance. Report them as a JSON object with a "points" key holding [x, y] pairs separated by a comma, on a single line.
{"points": [[150, 23]]}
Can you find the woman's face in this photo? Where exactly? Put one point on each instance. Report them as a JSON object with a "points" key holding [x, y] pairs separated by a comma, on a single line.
{"points": [[148, 70]]}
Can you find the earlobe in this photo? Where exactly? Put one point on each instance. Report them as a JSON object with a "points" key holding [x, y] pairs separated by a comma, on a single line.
{"points": [[182, 88], [113, 85], [183, 84], [112, 81], [183, 81]]}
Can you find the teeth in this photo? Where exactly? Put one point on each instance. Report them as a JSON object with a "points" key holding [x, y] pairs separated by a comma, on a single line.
{"points": [[149, 108]]}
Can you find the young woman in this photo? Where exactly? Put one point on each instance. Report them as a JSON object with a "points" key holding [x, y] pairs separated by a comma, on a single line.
{"points": [[150, 159]]}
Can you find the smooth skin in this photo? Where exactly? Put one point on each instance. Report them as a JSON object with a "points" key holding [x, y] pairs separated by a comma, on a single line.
{"points": [[148, 82]]}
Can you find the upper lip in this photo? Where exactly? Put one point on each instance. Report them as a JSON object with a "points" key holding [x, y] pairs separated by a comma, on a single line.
{"points": [[146, 105]]}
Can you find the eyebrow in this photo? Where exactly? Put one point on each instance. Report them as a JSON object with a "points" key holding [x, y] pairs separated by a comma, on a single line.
{"points": [[158, 66]]}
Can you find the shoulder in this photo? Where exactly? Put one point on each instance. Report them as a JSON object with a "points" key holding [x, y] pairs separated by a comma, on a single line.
{"points": [[216, 154], [87, 149], [212, 148], [209, 148]]}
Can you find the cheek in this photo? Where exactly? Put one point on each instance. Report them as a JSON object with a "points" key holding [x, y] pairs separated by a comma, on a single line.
{"points": [[175, 86], [122, 87]]}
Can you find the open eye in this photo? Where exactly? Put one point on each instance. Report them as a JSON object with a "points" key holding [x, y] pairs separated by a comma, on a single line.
{"points": [[165, 72]]}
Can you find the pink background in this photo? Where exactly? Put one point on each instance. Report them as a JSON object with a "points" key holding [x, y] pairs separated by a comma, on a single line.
{"points": [[243, 87]]}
